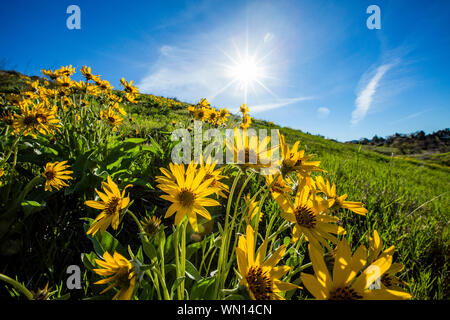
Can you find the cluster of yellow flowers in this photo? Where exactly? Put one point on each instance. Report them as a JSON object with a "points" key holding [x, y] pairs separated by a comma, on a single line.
{"points": [[164, 102], [40, 109], [205, 113], [246, 119], [307, 204]]}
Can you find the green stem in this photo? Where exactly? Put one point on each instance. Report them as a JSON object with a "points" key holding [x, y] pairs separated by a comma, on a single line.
{"points": [[224, 235], [27, 293]]}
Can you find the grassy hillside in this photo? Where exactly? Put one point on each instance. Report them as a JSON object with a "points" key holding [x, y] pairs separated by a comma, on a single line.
{"points": [[407, 199]]}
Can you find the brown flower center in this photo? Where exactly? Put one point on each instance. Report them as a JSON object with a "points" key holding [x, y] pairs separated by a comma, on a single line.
{"points": [[30, 120], [345, 293], [259, 283], [305, 217], [50, 175], [112, 205], [186, 198]]}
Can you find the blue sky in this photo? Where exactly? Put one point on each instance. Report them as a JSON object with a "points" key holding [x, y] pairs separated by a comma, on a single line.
{"points": [[320, 69]]}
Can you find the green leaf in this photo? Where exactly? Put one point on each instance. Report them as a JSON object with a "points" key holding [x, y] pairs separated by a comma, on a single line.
{"points": [[88, 260], [203, 289], [192, 248], [105, 242], [30, 207], [192, 272], [149, 250], [176, 284]]}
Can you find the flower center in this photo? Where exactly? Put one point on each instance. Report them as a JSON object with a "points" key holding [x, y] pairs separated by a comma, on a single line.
{"points": [[345, 293], [111, 207], [30, 120], [259, 283], [112, 120], [50, 175], [186, 198], [122, 278], [305, 217]]}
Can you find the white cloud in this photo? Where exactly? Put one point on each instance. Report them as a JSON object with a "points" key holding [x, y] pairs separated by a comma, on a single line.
{"points": [[268, 37], [275, 105], [365, 97], [323, 112]]}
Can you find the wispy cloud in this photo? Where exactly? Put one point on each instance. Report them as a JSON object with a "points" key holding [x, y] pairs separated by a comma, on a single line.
{"points": [[411, 116], [365, 97], [323, 112], [274, 105]]}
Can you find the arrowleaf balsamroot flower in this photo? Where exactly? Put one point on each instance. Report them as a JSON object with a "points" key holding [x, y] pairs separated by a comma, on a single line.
{"points": [[389, 280], [344, 284], [55, 173], [249, 152], [335, 201], [111, 117], [294, 160], [215, 174], [112, 205], [260, 275], [188, 191], [305, 213], [279, 190], [121, 273]]}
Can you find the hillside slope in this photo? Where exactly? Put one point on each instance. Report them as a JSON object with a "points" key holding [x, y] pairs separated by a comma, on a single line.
{"points": [[407, 199]]}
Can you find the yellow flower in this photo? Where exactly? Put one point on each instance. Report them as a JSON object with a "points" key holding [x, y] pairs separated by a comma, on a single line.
{"points": [[187, 191], [306, 215], [203, 103], [66, 71], [128, 86], [294, 160], [112, 205], [35, 119], [55, 173], [111, 118], [120, 272], [246, 121], [64, 82], [223, 115], [15, 99], [47, 119], [202, 113], [280, 190], [335, 201], [211, 173], [252, 209], [213, 116], [244, 109], [86, 71], [389, 280], [51, 74], [2, 172], [103, 84], [7, 117], [151, 225], [87, 88], [345, 284], [260, 275], [249, 152]]}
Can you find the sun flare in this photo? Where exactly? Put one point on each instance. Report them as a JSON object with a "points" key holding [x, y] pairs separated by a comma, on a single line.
{"points": [[246, 71]]}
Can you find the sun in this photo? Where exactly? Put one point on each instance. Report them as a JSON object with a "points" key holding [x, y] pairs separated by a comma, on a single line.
{"points": [[247, 69], [246, 72]]}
